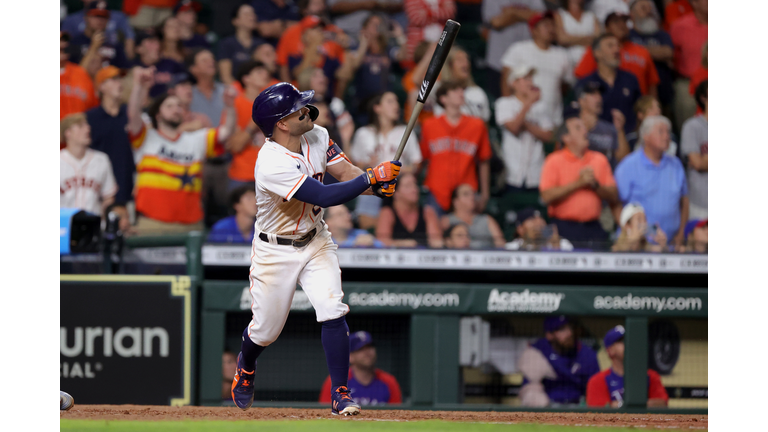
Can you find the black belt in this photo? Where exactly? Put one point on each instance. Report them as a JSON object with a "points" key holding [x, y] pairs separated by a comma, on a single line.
{"points": [[299, 242]]}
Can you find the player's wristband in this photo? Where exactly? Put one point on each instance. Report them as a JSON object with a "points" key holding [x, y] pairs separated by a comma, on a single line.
{"points": [[370, 176]]}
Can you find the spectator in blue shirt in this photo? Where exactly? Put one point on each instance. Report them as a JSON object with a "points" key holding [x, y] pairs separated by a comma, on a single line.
{"points": [[557, 367], [91, 48], [274, 17], [339, 222], [118, 29], [646, 32], [238, 228], [619, 88], [238, 48], [656, 180]]}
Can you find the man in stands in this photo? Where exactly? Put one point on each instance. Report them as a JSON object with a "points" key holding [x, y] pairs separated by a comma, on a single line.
{"points": [[369, 384], [240, 227], [76, 87], [169, 162]]}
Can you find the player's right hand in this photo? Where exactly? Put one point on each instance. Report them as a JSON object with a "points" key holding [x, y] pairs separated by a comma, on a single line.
{"points": [[384, 172]]}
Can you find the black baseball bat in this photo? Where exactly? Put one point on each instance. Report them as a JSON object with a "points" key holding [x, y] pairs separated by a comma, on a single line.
{"points": [[444, 45]]}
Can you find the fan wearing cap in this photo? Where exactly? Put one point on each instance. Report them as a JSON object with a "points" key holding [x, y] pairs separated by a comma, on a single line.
{"points": [[556, 368], [574, 183], [91, 48], [534, 234], [606, 388], [697, 236], [108, 135], [368, 384], [527, 124], [186, 12], [633, 58], [553, 67], [117, 28], [76, 86], [169, 161], [634, 234]]}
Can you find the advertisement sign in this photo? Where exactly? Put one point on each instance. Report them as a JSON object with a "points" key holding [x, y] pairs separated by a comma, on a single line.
{"points": [[126, 339]]}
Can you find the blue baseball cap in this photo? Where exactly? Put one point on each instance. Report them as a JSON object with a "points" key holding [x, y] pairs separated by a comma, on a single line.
{"points": [[692, 225], [553, 323], [359, 340], [614, 335]]}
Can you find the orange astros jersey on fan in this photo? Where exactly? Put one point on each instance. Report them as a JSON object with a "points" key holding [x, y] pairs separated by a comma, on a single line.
{"points": [[169, 173]]}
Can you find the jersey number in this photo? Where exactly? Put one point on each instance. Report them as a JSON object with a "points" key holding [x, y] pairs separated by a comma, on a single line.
{"points": [[317, 209]]}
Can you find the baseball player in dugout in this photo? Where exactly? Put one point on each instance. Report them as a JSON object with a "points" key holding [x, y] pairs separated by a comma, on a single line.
{"points": [[169, 162], [367, 383], [291, 243], [607, 387]]}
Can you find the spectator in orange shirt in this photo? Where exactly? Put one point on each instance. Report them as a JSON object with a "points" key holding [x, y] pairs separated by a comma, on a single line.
{"points": [[675, 10], [634, 58], [76, 87], [456, 149], [689, 34], [310, 43], [574, 181], [254, 77]]}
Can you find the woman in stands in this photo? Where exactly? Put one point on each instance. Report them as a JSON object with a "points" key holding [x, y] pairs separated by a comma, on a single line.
{"points": [[407, 223], [484, 231], [575, 28]]}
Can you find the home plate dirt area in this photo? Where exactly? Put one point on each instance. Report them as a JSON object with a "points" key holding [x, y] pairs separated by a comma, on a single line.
{"points": [[154, 413]]}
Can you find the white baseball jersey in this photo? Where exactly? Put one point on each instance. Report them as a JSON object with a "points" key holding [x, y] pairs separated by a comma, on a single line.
{"points": [[279, 173], [276, 269], [87, 182]]}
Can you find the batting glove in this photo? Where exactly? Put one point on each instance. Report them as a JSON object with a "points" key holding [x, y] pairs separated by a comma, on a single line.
{"points": [[384, 172], [384, 190]]}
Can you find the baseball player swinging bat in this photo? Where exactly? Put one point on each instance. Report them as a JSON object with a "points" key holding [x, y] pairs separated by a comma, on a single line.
{"points": [[444, 45]]}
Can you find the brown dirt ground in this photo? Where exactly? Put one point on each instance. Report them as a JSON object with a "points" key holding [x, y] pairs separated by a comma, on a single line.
{"points": [[151, 413]]}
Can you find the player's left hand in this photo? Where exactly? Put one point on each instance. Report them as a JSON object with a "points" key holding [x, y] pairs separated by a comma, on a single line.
{"points": [[384, 172], [384, 190]]}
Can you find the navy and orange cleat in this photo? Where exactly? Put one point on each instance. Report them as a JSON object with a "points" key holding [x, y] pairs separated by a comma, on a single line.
{"points": [[242, 385], [342, 404]]}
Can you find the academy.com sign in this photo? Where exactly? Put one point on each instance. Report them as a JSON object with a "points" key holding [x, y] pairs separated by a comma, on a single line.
{"points": [[525, 301], [412, 300], [658, 304]]}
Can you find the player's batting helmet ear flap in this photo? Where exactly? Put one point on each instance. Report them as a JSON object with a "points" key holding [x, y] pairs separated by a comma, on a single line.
{"points": [[313, 112]]}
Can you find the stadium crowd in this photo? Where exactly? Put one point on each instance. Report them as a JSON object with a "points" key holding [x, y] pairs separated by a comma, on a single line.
{"points": [[555, 125]]}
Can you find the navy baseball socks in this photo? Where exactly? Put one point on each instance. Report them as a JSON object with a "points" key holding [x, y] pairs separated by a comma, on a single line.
{"points": [[242, 385], [335, 338]]}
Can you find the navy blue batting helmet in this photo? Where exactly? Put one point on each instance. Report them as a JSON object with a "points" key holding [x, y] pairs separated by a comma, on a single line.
{"points": [[279, 101]]}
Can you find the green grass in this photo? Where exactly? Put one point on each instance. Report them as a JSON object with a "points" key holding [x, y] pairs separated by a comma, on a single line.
{"points": [[330, 425]]}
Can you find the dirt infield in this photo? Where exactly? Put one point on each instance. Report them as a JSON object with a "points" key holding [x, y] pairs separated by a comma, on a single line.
{"points": [[152, 413]]}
